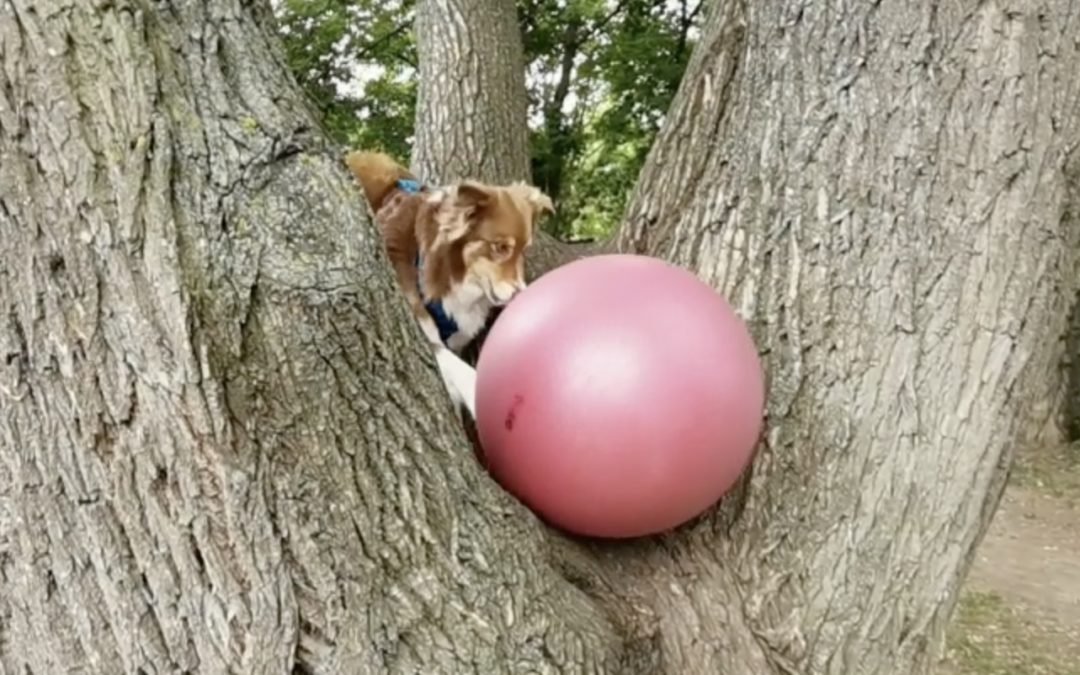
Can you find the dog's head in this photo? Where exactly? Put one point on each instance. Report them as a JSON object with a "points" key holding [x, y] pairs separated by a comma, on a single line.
{"points": [[490, 227]]}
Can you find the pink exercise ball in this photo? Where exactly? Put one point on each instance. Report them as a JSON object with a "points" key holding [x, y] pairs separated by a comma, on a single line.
{"points": [[618, 396]]}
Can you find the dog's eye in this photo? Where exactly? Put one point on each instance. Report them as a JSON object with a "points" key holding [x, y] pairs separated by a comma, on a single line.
{"points": [[501, 249]]}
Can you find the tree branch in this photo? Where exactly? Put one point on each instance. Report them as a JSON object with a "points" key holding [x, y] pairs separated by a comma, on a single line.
{"points": [[601, 22], [370, 46]]}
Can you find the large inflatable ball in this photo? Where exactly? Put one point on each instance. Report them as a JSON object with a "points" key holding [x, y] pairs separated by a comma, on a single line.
{"points": [[618, 396]]}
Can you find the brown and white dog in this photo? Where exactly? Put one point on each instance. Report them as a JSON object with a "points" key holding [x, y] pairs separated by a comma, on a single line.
{"points": [[458, 251]]}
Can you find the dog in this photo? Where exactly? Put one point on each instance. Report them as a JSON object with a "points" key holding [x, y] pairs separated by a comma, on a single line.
{"points": [[457, 251]]}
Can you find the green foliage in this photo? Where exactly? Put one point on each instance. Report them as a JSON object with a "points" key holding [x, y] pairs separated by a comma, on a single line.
{"points": [[357, 61], [601, 75]]}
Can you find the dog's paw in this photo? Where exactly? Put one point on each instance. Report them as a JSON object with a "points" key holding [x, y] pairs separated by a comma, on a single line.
{"points": [[458, 341]]}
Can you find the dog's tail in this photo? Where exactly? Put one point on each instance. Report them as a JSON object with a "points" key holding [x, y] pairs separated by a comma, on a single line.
{"points": [[377, 174]]}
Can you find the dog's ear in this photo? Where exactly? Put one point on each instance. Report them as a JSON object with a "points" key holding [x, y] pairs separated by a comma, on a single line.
{"points": [[539, 201], [543, 202], [456, 208], [472, 195]]}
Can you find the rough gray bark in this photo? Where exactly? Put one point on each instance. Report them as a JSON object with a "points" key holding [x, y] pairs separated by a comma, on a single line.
{"points": [[223, 446], [883, 189], [472, 103]]}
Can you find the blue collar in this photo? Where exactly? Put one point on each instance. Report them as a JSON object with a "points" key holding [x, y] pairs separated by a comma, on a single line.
{"points": [[408, 185], [443, 321]]}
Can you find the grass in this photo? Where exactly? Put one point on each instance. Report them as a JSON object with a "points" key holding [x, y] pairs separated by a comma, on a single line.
{"points": [[1051, 471], [988, 637]]}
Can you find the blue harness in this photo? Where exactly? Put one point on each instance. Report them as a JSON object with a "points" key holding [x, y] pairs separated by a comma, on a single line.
{"points": [[443, 321]]}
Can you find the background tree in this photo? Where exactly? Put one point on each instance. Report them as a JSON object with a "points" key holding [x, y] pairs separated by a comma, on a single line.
{"points": [[471, 109], [604, 73], [223, 432]]}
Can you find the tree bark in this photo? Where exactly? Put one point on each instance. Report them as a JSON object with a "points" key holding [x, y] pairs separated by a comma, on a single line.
{"points": [[223, 446], [883, 191], [472, 103]]}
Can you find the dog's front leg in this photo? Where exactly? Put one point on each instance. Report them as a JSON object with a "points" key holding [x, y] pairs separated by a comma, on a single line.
{"points": [[459, 378], [427, 325]]}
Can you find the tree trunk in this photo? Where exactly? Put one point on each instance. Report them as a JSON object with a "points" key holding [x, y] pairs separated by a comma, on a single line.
{"points": [[472, 104], [883, 191], [555, 124], [223, 446]]}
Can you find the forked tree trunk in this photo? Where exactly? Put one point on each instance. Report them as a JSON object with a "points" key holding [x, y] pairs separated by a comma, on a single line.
{"points": [[222, 444], [223, 447], [472, 104]]}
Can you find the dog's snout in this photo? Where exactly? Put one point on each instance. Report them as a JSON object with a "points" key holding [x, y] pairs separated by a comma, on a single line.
{"points": [[504, 292]]}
